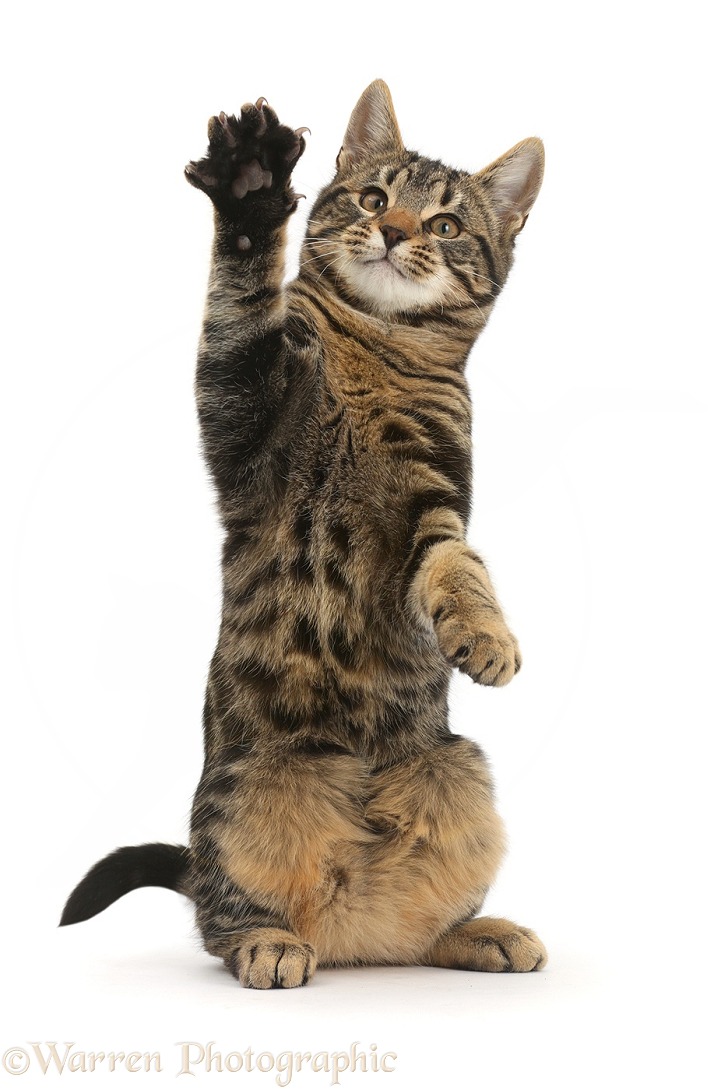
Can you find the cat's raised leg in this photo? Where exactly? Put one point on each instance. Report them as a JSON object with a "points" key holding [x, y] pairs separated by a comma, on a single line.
{"points": [[245, 376], [452, 591], [488, 945]]}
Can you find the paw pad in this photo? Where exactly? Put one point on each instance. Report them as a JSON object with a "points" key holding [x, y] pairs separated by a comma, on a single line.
{"points": [[251, 176]]}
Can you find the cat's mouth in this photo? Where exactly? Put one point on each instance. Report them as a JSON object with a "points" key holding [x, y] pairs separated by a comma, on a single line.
{"points": [[384, 262]]}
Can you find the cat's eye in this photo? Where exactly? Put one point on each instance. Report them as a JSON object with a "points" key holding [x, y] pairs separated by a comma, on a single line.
{"points": [[445, 226], [373, 200]]}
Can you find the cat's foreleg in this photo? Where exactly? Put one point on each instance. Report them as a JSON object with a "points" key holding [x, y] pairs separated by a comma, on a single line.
{"points": [[452, 591], [243, 372]]}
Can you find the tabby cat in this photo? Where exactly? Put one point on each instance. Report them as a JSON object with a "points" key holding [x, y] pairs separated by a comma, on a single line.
{"points": [[338, 820]]}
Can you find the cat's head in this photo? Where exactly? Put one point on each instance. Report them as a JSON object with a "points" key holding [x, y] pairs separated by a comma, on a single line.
{"points": [[395, 232]]}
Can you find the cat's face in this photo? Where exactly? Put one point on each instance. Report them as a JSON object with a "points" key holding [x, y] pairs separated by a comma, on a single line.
{"points": [[395, 232], [403, 235]]}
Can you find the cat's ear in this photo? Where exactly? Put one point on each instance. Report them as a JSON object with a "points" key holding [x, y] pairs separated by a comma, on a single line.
{"points": [[372, 129], [513, 182]]}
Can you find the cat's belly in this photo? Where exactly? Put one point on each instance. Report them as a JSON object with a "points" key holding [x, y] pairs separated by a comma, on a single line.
{"points": [[366, 867]]}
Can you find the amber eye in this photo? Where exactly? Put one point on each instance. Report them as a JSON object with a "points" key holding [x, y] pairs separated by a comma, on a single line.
{"points": [[445, 227], [373, 200]]}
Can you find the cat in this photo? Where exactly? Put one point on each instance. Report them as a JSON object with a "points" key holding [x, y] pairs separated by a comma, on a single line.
{"points": [[338, 820]]}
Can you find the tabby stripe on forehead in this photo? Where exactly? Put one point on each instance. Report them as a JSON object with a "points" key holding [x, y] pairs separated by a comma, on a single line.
{"points": [[448, 194]]}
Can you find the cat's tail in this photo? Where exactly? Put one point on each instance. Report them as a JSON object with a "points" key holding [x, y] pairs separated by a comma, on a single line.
{"points": [[124, 870]]}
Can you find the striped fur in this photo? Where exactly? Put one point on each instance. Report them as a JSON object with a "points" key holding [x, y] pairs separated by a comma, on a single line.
{"points": [[338, 820]]}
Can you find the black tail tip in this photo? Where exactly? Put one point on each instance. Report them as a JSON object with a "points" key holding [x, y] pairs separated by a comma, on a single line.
{"points": [[120, 872]]}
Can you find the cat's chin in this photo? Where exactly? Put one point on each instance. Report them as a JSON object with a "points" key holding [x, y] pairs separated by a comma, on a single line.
{"points": [[386, 289]]}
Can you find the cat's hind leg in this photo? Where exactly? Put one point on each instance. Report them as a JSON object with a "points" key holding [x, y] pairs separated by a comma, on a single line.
{"points": [[254, 942], [488, 945]]}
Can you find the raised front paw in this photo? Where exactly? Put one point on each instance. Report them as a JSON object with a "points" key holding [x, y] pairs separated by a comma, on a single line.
{"points": [[248, 155], [481, 647]]}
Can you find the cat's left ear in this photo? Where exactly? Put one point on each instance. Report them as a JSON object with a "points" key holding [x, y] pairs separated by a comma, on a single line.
{"points": [[372, 129], [513, 182]]}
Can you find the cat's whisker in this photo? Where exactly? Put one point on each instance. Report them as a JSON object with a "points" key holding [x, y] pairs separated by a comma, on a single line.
{"points": [[317, 256], [322, 271], [488, 280]]}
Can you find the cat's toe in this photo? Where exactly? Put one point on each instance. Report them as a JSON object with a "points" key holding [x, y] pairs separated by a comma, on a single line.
{"points": [[198, 174], [517, 951], [493, 660]]}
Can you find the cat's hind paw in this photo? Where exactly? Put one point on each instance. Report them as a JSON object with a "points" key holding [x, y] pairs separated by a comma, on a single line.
{"points": [[489, 945], [270, 958]]}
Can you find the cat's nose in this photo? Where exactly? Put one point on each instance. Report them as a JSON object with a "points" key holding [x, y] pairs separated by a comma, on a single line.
{"points": [[392, 235]]}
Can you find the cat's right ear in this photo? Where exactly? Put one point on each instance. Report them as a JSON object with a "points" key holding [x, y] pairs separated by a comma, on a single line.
{"points": [[513, 182], [372, 129]]}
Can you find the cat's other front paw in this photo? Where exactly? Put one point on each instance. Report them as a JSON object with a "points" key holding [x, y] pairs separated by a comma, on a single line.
{"points": [[485, 650], [248, 155]]}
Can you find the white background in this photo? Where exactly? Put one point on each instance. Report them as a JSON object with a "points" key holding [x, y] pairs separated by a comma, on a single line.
{"points": [[596, 497]]}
